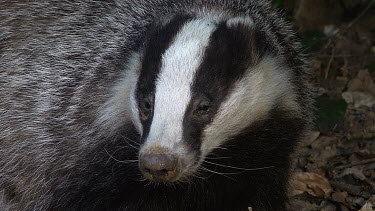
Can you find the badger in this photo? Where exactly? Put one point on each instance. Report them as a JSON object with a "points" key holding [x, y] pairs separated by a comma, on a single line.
{"points": [[138, 105]]}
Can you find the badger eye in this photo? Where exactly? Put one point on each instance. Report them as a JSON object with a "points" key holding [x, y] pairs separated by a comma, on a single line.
{"points": [[145, 108], [147, 104], [203, 108]]}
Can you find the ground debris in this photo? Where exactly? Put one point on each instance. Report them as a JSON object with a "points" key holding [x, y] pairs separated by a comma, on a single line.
{"points": [[370, 205], [311, 183], [335, 164]]}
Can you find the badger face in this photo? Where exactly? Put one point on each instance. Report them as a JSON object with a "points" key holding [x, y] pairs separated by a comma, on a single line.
{"points": [[200, 83]]}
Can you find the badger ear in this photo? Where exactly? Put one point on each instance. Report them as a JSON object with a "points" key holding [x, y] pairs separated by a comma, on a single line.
{"points": [[243, 29], [244, 21]]}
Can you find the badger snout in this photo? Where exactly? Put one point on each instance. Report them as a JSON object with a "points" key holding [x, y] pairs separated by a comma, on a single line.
{"points": [[159, 165]]}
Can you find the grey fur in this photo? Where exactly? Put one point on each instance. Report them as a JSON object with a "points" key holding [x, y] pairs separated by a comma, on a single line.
{"points": [[59, 61]]}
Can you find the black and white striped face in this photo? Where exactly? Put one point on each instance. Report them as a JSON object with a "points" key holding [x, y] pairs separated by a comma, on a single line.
{"points": [[201, 82]]}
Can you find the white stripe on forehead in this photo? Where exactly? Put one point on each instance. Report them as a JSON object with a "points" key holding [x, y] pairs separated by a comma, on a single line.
{"points": [[173, 86]]}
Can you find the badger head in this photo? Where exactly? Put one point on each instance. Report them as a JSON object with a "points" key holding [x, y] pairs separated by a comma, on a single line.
{"points": [[199, 83]]}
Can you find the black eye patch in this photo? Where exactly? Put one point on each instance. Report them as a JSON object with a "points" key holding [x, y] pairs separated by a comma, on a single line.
{"points": [[230, 52]]}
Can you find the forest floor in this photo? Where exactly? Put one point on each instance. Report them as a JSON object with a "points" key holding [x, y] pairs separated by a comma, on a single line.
{"points": [[335, 167]]}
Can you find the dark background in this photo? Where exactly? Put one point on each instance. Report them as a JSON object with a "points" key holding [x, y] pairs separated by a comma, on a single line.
{"points": [[335, 166]]}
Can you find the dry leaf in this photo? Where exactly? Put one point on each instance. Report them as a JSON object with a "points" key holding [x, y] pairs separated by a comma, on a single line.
{"points": [[311, 137], [340, 197], [313, 184], [359, 99], [356, 172], [363, 82], [302, 205], [370, 204]]}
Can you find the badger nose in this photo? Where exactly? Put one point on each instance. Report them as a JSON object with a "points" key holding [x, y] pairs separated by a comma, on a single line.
{"points": [[159, 167]]}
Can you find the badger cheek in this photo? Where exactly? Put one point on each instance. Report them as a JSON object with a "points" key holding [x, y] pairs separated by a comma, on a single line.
{"points": [[159, 163]]}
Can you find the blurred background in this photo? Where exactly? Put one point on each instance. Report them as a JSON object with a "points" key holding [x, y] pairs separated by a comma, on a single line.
{"points": [[335, 166]]}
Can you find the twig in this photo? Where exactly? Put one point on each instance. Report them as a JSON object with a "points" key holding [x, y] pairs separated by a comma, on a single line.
{"points": [[343, 29], [356, 164], [329, 64], [351, 189], [361, 14], [355, 19]]}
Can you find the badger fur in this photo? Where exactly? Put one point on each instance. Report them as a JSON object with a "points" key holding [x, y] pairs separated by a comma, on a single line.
{"points": [[148, 105]]}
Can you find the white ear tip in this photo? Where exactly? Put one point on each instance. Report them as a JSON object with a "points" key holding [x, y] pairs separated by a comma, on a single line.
{"points": [[245, 20]]}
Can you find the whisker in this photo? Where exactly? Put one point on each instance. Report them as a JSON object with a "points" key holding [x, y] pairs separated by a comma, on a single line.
{"points": [[238, 168], [141, 178], [120, 161], [218, 147], [199, 176], [131, 140], [182, 182], [217, 158], [219, 173], [137, 148], [149, 183]]}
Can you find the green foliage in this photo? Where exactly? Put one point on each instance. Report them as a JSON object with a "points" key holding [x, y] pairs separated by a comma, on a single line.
{"points": [[278, 3], [330, 113], [312, 40], [371, 68]]}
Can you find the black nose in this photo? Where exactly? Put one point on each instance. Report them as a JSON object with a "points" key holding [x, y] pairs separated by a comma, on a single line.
{"points": [[159, 167]]}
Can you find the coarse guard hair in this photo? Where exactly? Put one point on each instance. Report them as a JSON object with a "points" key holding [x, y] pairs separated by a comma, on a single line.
{"points": [[134, 105]]}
